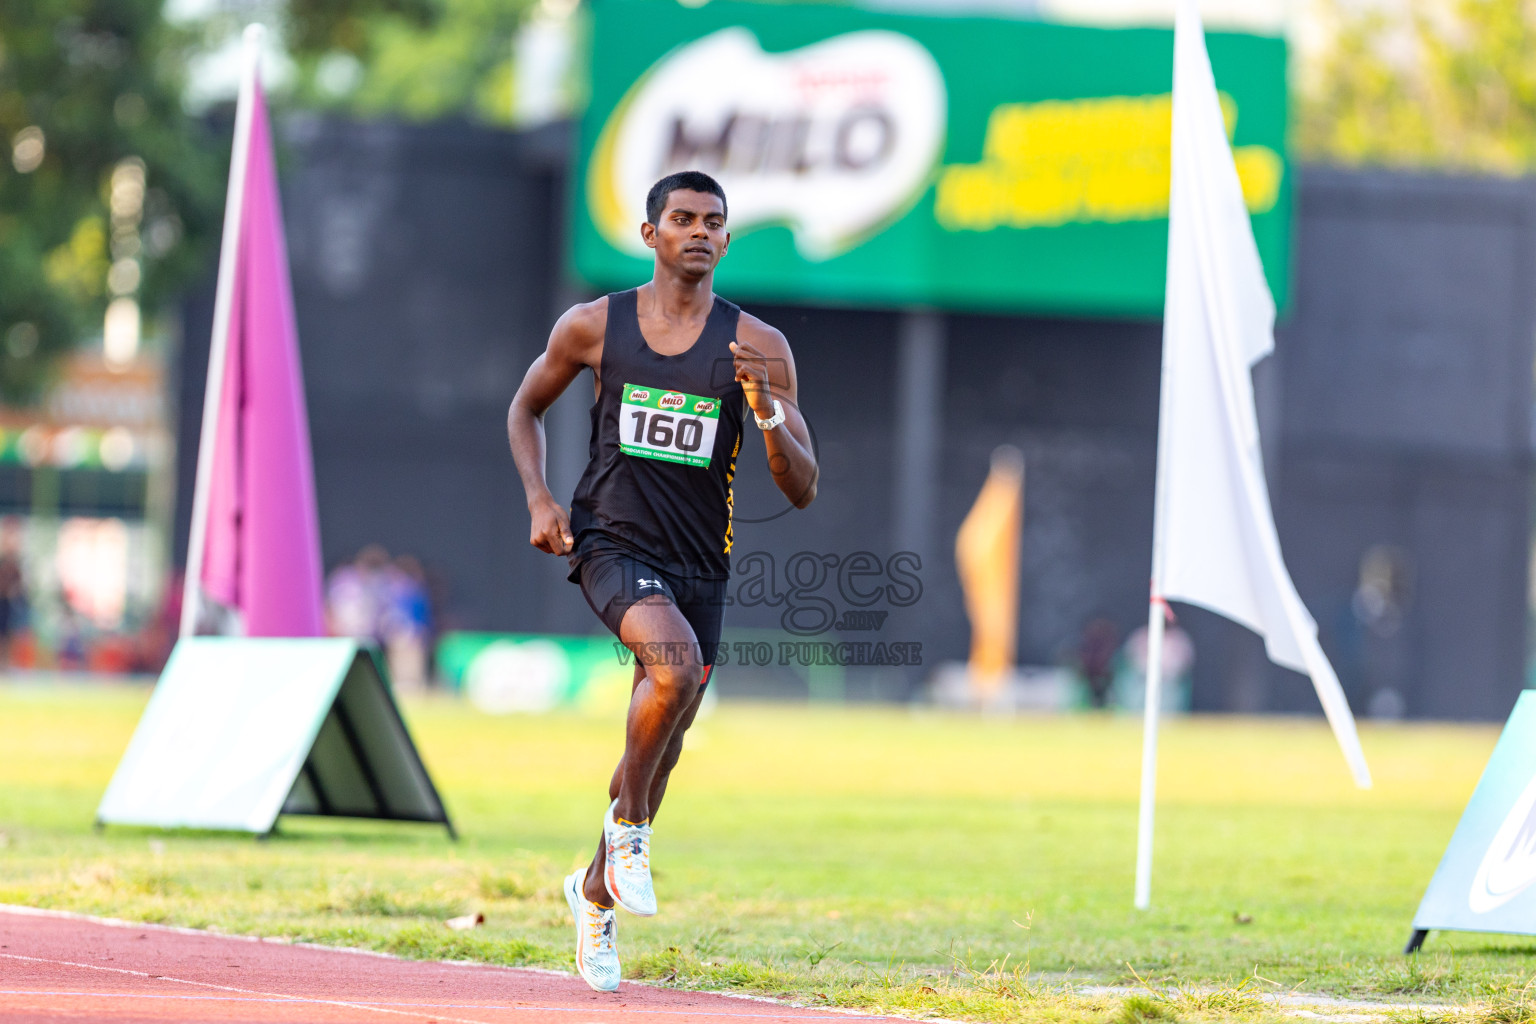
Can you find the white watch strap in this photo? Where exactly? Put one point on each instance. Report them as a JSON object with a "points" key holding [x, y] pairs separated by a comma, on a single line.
{"points": [[774, 420]]}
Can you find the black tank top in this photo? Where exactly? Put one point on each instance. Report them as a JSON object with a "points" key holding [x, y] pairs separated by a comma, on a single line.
{"points": [[666, 431]]}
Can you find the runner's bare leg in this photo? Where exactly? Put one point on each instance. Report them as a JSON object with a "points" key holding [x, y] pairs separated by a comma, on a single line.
{"points": [[662, 706]]}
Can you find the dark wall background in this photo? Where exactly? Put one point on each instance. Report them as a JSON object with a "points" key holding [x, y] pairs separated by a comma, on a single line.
{"points": [[1397, 414], [1407, 376]]}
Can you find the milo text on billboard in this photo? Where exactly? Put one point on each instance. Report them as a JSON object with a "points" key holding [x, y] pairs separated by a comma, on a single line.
{"points": [[875, 158], [830, 140]]}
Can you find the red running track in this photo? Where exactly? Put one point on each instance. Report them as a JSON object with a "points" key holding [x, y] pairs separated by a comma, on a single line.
{"points": [[62, 967]]}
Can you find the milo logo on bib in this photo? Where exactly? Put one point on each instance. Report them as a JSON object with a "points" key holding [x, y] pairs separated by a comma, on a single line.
{"points": [[655, 423]]}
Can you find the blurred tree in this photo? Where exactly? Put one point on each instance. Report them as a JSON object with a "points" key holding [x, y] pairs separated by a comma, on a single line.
{"points": [[1449, 84], [320, 26], [86, 85], [418, 59], [89, 87]]}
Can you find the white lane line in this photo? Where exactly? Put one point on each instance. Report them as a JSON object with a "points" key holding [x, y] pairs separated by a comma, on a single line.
{"points": [[276, 996], [51, 993], [679, 1012], [19, 910]]}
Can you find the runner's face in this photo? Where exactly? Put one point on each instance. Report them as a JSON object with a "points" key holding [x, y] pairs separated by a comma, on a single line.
{"points": [[690, 233]]}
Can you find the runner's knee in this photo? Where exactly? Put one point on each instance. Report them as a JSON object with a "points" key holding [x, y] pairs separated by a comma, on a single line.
{"points": [[678, 683]]}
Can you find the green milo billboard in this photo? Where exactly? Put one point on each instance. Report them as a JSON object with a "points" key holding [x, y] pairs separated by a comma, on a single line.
{"points": [[886, 159]]}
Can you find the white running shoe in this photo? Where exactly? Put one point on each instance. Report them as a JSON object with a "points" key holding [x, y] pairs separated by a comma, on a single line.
{"points": [[628, 871], [597, 958]]}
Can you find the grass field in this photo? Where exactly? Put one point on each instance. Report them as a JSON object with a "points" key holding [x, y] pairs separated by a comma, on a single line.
{"points": [[912, 861]]}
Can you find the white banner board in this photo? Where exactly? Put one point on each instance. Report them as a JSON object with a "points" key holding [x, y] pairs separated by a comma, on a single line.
{"points": [[240, 730], [1486, 881]]}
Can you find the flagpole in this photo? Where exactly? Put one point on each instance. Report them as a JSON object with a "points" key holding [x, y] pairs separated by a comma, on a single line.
{"points": [[1157, 611], [1156, 617], [229, 250]]}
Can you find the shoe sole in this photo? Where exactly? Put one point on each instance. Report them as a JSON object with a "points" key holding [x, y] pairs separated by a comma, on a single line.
{"points": [[571, 901]]}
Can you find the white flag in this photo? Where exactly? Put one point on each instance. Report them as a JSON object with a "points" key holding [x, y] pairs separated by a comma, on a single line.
{"points": [[1214, 541]]}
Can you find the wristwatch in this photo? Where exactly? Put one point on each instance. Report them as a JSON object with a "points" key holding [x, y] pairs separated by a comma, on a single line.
{"points": [[772, 421]]}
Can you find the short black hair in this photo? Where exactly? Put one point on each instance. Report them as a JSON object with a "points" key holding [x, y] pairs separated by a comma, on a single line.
{"points": [[693, 181]]}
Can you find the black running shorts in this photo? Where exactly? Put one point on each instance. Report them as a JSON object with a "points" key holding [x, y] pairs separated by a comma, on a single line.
{"points": [[612, 581]]}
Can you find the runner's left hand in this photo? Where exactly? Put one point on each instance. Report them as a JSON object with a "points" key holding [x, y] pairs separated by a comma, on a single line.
{"points": [[752, 373]]}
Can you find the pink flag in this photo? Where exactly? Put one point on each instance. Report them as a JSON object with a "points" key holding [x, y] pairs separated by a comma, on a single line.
{"points": [[258, 562]]}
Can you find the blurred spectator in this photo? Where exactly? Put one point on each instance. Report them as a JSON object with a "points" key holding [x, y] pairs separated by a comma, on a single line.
{"points": [[1381, 603], [406, 623], [1096, 652], [162, 628], [440, 600], [388, 604], [70, 650], [354, 595], [1178, 658], [13, 600]]}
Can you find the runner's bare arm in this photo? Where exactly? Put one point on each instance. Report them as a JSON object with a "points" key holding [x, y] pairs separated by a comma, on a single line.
{"points": [[575, 344], [766, 369]]}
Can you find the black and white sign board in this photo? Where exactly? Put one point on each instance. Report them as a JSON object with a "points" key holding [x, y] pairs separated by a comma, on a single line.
{"points": [[241, 730]]}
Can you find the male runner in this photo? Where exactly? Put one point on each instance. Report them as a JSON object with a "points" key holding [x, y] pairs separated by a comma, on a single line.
{"points": [[676, 372]]}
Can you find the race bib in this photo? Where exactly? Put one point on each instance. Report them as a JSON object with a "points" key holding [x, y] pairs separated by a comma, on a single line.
{"points": [[655, 423]]}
